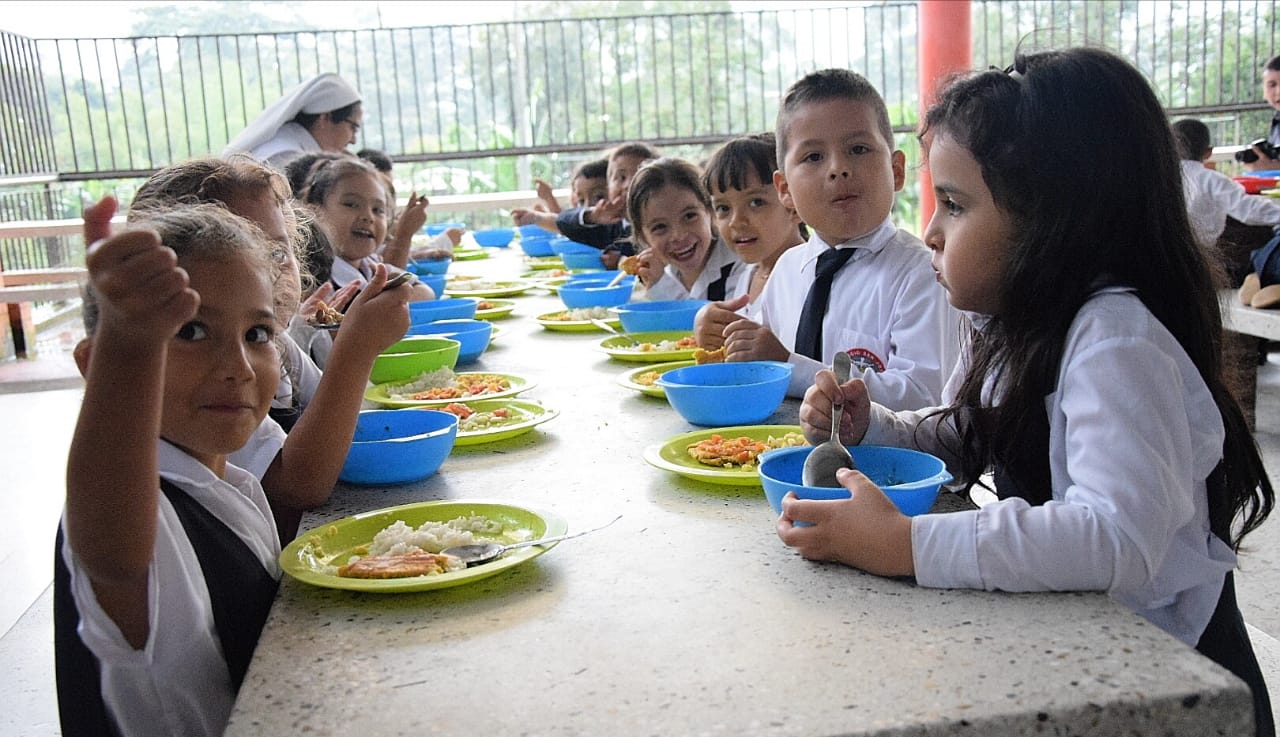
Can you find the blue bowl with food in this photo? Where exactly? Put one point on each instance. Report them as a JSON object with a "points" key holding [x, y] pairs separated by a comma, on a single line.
{"points": [[652, 317], [594, 294], [494, 237], [438, 228], [448, 308], [396, 446], [473, 334], [721, 394], [911, 479]]}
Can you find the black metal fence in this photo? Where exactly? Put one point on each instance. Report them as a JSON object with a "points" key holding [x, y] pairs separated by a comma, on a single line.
{"points": [[487, 107]]}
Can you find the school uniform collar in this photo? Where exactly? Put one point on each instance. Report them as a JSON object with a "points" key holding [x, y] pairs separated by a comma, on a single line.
{"points": [[243, 507], [867, 244]]}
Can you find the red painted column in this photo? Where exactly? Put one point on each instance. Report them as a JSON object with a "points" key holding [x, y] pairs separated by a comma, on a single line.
{"points": [[946, 46]]}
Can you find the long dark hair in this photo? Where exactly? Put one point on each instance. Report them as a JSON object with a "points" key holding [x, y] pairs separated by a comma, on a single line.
{"points": [[1075, 148]]}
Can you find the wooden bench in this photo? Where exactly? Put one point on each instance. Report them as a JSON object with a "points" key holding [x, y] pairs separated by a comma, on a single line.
{"points": [[20, 289]]}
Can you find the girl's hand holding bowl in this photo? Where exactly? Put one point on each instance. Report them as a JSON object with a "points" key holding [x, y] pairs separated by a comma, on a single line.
{"points": [[865, 531]]}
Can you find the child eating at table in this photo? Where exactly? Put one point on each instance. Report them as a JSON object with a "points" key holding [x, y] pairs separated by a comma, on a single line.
{"points": [[165, 566], [752, 220], [602, 224], [1093, 384], [350, 199], [860, 284], [671, 213], [299, 450]]}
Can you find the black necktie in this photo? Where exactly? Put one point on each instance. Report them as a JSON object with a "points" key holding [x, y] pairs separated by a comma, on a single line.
{"points": [[809, 331]]}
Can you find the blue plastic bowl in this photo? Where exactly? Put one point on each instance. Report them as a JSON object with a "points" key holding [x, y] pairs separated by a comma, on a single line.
{"points": [[909, 478], [598, 277], [396, 446], [422, 266], [473, 334], [438, 228], [437, 282], [594, 294], [494, 237], [448, 308], [582, 260], [536, 247], [719, 394], [534, 231], [652, 317], [561, 245]]}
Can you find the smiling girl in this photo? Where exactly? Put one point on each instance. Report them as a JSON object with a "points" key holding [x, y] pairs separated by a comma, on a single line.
{"points": [[166, 561], [670, 211], [352, 203]]}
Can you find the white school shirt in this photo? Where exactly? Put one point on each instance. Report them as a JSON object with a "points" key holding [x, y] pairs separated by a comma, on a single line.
{"points": [[1133, 434], [668, 285], [300, 375], [178, 683], [740, 284], [316, 343], [343, 273], [887, 309], [1212, 196]]}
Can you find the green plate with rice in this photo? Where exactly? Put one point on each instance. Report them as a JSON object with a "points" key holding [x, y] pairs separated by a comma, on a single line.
{"points": [[385, 394], [314, 556], [522, 415]]}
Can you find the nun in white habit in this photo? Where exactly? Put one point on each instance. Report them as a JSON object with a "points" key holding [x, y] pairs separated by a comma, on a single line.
{"points": [[321, 114]]}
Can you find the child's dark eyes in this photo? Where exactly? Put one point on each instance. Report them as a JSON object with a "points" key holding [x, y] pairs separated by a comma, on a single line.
{"points": [[758, 202], [860, 149], [721, 209], [260, 334], [193, 331], [815, 156], [951, 206]]}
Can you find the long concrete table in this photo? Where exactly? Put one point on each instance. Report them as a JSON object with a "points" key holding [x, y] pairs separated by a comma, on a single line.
{"points": [[688, 616]]}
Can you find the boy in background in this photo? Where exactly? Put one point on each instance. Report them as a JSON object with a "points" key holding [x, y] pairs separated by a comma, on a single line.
{"points": [[588, 186], [860, 284], [1212, 196], [602, 224]]}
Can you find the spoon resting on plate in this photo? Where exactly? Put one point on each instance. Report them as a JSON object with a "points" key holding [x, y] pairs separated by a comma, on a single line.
{"points": [[824, 460], [610, 329], [474, 555]]}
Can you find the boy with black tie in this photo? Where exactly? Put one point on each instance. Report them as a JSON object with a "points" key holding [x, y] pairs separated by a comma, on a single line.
{"points": [[860, 285]]}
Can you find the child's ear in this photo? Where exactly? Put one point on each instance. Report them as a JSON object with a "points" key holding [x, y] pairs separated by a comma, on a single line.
{"points": [[899, 170], [784, 192], [81, 355]]}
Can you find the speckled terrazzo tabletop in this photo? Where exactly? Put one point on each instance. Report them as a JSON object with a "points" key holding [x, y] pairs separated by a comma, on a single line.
{"points": [[688, 616]]}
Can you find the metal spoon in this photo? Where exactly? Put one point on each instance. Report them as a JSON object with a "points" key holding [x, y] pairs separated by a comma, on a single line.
{"points": [[610, 329], [474, 555], [827, 458]]}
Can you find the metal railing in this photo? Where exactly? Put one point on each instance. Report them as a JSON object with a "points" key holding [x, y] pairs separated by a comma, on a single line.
{"points": [[487, 107]]}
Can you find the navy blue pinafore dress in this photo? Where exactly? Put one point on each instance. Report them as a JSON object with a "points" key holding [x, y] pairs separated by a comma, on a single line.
{"points": [[240, 590]]}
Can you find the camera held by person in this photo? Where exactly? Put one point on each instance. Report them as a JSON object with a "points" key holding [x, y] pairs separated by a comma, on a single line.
{"points": [[1248, 155]]}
